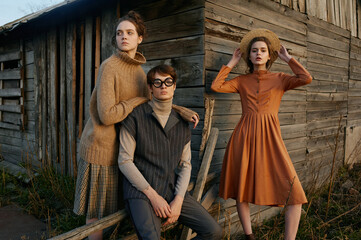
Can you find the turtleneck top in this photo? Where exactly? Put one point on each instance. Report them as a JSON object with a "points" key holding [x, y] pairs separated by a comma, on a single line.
{"points": [[162, 110]]}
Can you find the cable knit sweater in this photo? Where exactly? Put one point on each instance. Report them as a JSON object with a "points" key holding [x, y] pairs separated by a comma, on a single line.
{"points": [[121, 86]]}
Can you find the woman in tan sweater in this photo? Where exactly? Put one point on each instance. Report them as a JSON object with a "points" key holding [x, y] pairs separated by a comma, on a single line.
{"points": [[121, 86]]}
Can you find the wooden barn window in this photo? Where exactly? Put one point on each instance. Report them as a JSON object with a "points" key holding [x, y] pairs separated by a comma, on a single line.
{"points": [[11, 91]]}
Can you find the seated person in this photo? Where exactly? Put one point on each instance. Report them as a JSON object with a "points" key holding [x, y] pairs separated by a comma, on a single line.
{"points": [[155, 159]]}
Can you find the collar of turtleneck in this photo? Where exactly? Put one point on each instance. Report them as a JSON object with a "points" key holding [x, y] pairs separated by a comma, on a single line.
{"points": [[161, 107], [137, 60]]}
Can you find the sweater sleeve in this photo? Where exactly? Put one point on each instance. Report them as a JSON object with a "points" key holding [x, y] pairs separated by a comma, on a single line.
{"points": [[184, 171], [185, 113], [220, 85], [111, 112], [301, 77], [125, 160]]}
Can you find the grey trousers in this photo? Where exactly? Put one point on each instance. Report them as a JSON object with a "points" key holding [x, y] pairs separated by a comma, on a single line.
{"points": [[193, 215]]}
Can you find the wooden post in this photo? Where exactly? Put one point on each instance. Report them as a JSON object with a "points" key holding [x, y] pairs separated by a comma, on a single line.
{"points": [[88, 65], [21, 83], [73, 103], [209, 107], [63, 157], [1, 87], [81, 87], [97, 49], [70, 93], [53, 127], [202, 174]]}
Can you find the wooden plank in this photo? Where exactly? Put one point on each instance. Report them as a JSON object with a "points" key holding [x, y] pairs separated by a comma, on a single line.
{"points": [[70, 93], [86, 230], [295, 31], [1, 87], [63, 129], [11, 92], [189, 69], [189, 97], [311, 7], [53, 128], [173, 48], [10, 74], [81, 81], [14, 55], [268, 12], [162, 8], [108, 18], [11, 108], [10, 126], [322, 9], [359, 20], [40, 80], [88, 65], [327, 42], [180, 25], [97, 48]]}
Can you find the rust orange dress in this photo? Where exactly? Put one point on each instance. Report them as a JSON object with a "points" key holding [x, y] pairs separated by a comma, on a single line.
{"points": [[256, 166]]}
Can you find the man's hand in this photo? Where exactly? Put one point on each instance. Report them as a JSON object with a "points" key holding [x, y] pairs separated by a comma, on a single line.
{"points": [[159, 204], [176, 207]]}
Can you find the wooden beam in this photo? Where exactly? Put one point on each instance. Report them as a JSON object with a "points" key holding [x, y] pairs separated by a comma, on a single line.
{"points": [[11, 92], [12, 108], [86, 230], [10, 126], [10, 56], [10, 74]]}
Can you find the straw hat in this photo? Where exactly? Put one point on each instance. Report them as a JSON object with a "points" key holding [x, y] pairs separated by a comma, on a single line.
{"points": [[260, 32]]}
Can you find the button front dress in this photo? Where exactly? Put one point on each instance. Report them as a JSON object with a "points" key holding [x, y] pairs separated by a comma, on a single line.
{"points": [[256, 166]]}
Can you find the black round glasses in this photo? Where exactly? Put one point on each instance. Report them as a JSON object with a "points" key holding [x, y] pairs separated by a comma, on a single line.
{"points": [[158, 83]]}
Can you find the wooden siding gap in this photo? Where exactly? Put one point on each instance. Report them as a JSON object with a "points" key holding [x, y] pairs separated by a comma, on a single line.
{"points": [[97, 48]]}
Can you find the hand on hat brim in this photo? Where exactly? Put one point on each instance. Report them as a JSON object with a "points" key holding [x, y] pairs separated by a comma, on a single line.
{"points": [[283, 54]]}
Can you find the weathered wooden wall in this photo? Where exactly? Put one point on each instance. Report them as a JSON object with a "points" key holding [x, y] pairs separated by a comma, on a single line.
{"points": [[68, 55], [16, 101], [196, 37], [344, 14]]}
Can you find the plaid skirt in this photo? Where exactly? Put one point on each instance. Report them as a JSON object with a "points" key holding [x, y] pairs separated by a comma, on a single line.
{"points": [[96, 191]]}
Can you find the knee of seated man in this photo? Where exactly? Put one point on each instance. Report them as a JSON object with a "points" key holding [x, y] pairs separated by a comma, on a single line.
{"points": [[217, 231], [214, 231]]}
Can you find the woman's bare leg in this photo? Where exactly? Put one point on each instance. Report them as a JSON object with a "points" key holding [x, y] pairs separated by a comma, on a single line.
{"points": [[245, 217], [293, 215]]}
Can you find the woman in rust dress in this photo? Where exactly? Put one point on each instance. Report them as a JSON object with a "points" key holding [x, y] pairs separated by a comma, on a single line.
{"points": [[256, 167]]}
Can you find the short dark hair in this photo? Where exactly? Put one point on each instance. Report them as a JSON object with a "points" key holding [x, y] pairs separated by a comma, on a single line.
{"points": [[270, 52], [162, 69], [134, 18]]}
